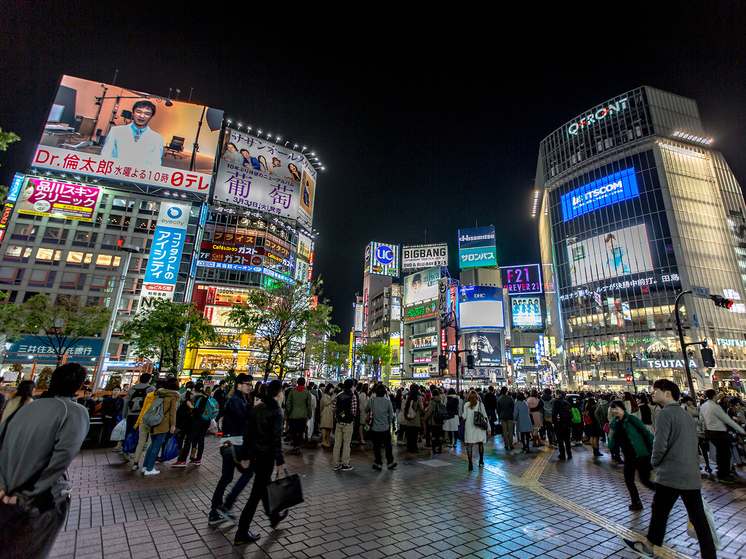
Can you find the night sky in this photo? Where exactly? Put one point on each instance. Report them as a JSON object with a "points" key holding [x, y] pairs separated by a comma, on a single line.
{"points": [[425, 122]]}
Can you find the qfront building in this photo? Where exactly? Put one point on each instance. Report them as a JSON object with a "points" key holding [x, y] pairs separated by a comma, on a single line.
{"points": [[637, 208]]}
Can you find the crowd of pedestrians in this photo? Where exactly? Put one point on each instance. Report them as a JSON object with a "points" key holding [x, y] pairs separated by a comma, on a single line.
{"points": [[154, 421]]}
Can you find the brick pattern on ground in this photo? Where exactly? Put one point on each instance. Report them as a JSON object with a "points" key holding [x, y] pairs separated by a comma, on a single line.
{"points": [[430, 506]]}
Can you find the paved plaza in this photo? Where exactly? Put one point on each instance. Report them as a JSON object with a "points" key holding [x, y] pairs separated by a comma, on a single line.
{"points": [[520, 506]]}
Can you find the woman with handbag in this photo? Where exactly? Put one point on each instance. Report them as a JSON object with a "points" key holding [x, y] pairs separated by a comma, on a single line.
{"points": [[327, 416], [592, 428], [413, 410], [629, 433], [475, 412]]}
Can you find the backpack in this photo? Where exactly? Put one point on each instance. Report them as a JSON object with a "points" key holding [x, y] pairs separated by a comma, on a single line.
{"points": [[576, 417], [548, 409], [139, 394], [440, 414], [451, 407], [211, 409], [154, 416], [344, 408]]}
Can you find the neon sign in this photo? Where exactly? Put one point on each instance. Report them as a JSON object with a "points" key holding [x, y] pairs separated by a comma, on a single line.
{"points": [[600, 114], [600, 193]]}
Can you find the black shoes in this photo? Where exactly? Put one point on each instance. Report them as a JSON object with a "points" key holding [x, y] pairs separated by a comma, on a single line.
{"points": [[244, 538], [214, 518], [277, 518], [635, 506], [378, 467], [391, 466]]}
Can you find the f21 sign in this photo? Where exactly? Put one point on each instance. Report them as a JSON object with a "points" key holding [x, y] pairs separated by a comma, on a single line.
{"points": [[523, 280]]}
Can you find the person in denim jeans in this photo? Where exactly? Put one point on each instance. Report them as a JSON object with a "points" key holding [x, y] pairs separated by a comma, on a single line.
{"points": [[170, 395], [235, 415]]}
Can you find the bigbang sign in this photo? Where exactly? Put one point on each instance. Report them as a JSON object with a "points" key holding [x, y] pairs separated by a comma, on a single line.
{"points": [[476, 247], [416, 257]]}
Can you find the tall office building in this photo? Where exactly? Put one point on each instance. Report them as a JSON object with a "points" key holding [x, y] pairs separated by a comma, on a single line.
{"points": [[638, 207]]}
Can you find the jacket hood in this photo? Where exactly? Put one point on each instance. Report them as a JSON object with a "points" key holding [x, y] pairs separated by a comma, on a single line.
{"points": [[165, 393]]}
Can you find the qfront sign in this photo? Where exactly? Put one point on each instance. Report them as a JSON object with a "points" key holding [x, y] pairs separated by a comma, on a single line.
{"points": [[597, 115]]}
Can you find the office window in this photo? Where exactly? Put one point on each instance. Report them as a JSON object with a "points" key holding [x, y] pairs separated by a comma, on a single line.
{"points": [[48, 255]]}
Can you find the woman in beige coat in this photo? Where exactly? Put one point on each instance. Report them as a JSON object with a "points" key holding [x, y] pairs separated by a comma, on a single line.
{"points": [[170, 395], [326, 421]]}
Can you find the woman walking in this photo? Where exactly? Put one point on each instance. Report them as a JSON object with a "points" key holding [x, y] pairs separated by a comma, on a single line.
{"points": [[450, 427], [592, 427], [474, 434], [170, 395], [536, 408], [630, 434], [413, 411], [522, 420]]}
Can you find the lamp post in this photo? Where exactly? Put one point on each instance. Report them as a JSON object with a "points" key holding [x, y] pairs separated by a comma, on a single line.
{"points": [[130, 250]]}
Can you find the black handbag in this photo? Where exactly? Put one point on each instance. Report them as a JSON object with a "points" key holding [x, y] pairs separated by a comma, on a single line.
{"points": [[480, 420], [284, 492]]}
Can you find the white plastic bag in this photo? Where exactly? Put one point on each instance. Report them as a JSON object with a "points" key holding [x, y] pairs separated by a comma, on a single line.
{"points": [[117, 434], [711, 521], [213, 428]]}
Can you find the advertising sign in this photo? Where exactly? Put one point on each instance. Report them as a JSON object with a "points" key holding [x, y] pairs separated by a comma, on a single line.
{"points": [[600, 193], [416, 257], [485, 347], [425, 310], [108, 131], [165, 253], [58, 199], [481, 307], [620, 252], [382, 259], [421, 286], [476, 247], [81, 351], [523, 280], [263, 176], [526, 312]]}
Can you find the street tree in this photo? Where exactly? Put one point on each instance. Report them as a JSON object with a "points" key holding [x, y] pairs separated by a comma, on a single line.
{"points": [[326, 353], [157, 333], [6, 138], [278, 319], [58, 325], [375, 353]]}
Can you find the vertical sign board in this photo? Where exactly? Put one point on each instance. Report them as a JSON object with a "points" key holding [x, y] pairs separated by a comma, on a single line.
{"points": [[476, 247], [165, 253]]}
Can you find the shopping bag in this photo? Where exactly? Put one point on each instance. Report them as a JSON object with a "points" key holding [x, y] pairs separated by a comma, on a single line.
{"points": [[117, 434], [284, 492], [711, 521], [213, 428], [130, 443], [171, 450], [461, 432]]}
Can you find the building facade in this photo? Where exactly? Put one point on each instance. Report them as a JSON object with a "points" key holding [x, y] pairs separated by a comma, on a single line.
{"points": [[637, 207]]}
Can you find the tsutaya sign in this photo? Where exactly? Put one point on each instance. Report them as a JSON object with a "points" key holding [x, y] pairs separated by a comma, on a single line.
{"points": [[599, 114], [670, 364]]}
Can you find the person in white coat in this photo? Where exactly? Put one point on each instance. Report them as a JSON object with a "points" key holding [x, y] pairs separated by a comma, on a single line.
{"points": [[473, 434]]}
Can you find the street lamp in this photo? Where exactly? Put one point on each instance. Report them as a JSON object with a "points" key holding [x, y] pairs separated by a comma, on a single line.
{"points": [[130, 250]]}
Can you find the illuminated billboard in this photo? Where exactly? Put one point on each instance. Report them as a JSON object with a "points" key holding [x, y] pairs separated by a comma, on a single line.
{"points": [[600, 193], [107, 131], [421, 286], [522, 280], [617, 253], [481, 307], [266, 177], [476, 247], [525, 312], [382, 259], [416, 257], [45, 197], [485, 347]]}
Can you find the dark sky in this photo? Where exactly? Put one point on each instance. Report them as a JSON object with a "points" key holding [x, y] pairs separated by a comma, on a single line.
{"points": [[426, 122]]}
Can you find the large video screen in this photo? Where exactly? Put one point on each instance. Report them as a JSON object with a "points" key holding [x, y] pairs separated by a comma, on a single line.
{"points": [[266, 177], [613, 254], [485, 347], [481, 307], [108, 131], [421, 286], [600, 193], [526, 312]]}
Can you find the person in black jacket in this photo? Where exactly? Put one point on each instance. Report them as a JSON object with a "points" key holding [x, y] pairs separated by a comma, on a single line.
{"points": [[490, 404], [562, 421], [262, 449], [235, 414], [111, 407]]}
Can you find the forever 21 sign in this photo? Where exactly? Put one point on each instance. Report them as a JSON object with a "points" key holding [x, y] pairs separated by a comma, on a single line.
{"points": [[523, 280]]}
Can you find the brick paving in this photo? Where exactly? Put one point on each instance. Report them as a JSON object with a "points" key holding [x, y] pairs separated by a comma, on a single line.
{"points": [[517, 506]]}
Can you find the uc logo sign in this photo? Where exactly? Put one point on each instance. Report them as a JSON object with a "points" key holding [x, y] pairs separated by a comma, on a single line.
{"points": [[384, 254], [174, 212]]}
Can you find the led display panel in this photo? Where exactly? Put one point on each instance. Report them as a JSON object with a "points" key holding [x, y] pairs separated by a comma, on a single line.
{"points": [[522, 280], [613, 254], [481, 307], [525, 312], [421, 286], [600, 193], [485, 347]]}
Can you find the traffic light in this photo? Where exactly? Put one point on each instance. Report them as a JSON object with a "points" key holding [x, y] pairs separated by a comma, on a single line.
{"points": [[442, 362], [707, 357], [629, 379], [469, 361], [714, 377], [721, 301]]}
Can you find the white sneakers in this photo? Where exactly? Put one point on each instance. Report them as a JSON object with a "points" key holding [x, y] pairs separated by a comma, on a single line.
{"points": [[152, 472]]}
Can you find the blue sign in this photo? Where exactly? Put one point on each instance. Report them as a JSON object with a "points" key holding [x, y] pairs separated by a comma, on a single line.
{"points": [[600, 193], [29, 348], [384, 254]]}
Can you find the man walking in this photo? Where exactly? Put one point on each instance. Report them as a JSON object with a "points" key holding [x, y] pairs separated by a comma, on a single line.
{"points": [[505, 407], [382, 411], [490, 405], [677, 473], [299, 409], [345, 410], [134, 399], [262, 449], [38, 443], [714, 421], [561, 420], [236, 414]]}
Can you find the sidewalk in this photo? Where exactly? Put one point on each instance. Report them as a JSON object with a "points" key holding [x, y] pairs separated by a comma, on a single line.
{"points": [[518, 506]]}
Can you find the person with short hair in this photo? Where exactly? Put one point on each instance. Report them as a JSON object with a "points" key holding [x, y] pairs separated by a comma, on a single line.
{"points": [[677, 474], [561, 421], [170, 395], [40, 442], [345, 410], [381, 410], [134, 399], [136, 142], [715, 422]]}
